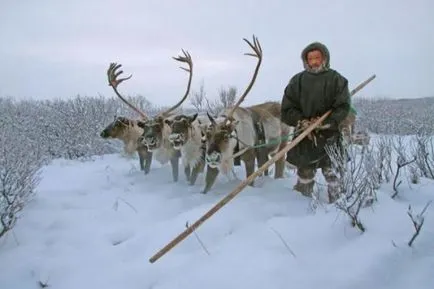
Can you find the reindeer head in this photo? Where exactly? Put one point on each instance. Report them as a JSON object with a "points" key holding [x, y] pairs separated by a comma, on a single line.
{"points": [[153, 133], [221, 140], [221, 136], [117, 128], [154, 128], [181, 129]]}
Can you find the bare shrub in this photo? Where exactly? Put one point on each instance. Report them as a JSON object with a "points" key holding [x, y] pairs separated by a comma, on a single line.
{"points": [[356, 183], [228, 96], [213, 106], [414, 174], [198, 98], [384, 147], [424, 152], [402, 161], [417, 221]]}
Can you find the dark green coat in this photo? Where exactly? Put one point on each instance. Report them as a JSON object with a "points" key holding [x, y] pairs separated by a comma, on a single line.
{"points": [[311, 94]]}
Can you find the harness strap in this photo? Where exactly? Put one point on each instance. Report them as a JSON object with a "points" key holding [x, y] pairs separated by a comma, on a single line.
{"points": [[237, 160]]}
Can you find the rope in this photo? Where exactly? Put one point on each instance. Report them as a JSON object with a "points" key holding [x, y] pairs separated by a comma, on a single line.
{"points": [[273, 142]]}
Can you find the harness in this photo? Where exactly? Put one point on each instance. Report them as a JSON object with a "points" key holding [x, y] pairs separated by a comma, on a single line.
{"points": [[258, 126], [237, 160], [203, 146]]}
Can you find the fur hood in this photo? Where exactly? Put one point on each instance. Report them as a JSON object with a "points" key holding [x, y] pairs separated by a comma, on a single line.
{"points": [[321, 47]]}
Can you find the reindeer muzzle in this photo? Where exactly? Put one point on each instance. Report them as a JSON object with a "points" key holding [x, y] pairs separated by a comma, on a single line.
{"points": [[104, 134], [176, 140], [213, 159]]}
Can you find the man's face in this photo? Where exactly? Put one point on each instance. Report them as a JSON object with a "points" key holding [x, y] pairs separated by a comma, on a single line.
{"points": [[315, 59]]}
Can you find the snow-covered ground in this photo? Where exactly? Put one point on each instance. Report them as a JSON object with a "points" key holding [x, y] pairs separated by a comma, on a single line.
{"points": [[95, 224]]}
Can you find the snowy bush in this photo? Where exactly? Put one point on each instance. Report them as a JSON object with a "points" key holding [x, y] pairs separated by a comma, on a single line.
{"points": [[70, 128], [395, 116], [423, 149], [357, 179], [20, 161]]}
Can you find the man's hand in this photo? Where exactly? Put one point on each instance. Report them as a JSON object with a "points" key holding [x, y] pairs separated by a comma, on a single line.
{"points": [[320, 126], [305, 123]]}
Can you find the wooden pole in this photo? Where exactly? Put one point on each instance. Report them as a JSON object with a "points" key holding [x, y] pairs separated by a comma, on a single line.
{"points": [[247, 181]]}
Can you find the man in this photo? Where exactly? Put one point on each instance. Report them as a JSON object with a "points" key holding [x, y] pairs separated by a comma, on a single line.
{"points": [[309, 95]]}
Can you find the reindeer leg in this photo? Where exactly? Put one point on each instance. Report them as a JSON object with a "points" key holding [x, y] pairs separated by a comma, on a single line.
{"points": [[141, 159], [145, 158], [195, 173], [280, 165], [211, 176], [148, 162], [174, 161], [249, 162], [279, 168], [187, 172], [262, 158]]}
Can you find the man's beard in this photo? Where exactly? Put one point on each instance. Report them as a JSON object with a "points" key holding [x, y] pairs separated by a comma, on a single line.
{"points": [[318, 69]]}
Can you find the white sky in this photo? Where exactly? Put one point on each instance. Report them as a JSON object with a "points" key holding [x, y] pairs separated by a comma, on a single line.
{"points": [[62, 48]]}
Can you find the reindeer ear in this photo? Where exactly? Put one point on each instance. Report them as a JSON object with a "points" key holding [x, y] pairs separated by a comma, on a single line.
{"points": [[141, 124], [234, 123], [211, 119], [123, 120], [193, 117]]}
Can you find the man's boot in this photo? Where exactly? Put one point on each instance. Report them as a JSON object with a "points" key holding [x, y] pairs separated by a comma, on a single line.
{"points": [[333, 191], [332, 184], [306, 189]]}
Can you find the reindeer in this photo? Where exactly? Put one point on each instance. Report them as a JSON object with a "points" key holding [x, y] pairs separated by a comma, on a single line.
{"points": [[156, 131], [238, 130], [187, 137], [128, 131], [347, 127], [151, 134], [125, 129]]}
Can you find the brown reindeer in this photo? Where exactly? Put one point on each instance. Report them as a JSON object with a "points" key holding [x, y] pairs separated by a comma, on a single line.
{"points": [[347, 126], [125, 129], [128, 131], [350, 136], [239, 129]]}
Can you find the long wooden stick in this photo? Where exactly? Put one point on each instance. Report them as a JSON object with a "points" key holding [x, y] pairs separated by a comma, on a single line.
{"points": [[247, 181]]}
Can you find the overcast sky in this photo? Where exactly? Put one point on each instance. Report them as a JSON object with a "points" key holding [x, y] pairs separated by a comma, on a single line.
{"points": [[52, 48]]}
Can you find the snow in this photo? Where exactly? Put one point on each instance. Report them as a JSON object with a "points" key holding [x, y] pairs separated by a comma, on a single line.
{"points": [[95, 224]]}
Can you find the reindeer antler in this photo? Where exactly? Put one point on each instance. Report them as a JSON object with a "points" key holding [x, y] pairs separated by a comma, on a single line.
{"points": [[187, 59], [257, 53], [112, 75]]}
